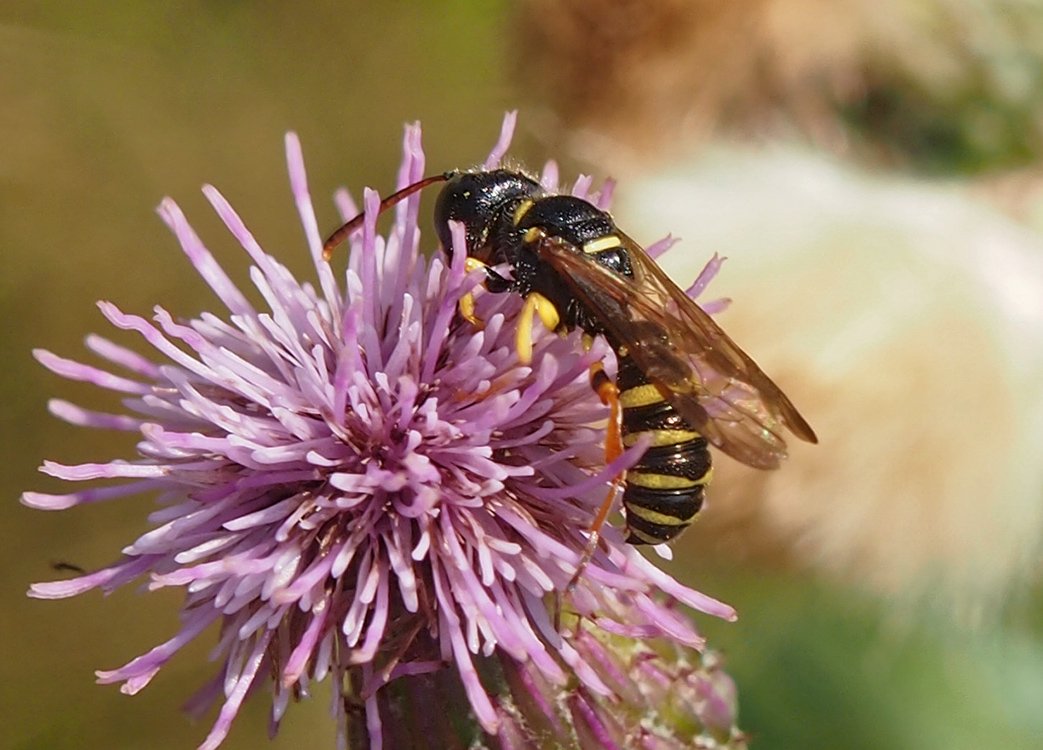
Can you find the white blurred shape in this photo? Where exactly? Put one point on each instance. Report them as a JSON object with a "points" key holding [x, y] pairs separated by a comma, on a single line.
{"points": [[905, 320]]}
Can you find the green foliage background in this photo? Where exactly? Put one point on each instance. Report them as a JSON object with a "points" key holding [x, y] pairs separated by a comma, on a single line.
{"points": [[107, 108]]}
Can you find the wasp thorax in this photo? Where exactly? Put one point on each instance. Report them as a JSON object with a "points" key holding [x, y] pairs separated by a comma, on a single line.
{"points": [[479, 200]]}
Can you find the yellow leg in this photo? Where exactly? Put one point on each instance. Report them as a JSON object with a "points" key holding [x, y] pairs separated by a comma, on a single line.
{"points": [[547, 311], [535, 304], [466, 303]]}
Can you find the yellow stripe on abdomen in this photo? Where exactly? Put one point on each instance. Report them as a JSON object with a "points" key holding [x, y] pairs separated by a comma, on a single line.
{"points": [[655, 481], [641, 395], [659, 519], [661, 437], [643, 537]]}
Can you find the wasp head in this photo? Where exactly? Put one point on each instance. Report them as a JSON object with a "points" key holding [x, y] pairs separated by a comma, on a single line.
{"points": [[483, 202]]}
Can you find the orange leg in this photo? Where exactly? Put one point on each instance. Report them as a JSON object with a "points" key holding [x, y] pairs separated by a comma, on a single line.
{"points": [[609, 394]]}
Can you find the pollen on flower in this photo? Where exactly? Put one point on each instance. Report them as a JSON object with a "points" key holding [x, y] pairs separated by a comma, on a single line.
{"points": [[358, 485]]}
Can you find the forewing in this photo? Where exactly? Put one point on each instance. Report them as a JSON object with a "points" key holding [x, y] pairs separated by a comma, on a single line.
{"points": [[713, 383]]}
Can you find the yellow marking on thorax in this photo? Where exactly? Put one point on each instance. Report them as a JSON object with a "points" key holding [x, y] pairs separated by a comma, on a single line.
{"points": [[521, 210], [533, 234], [662, 437], [641, 395], [659, 519], [535, 304], [601, 244]]}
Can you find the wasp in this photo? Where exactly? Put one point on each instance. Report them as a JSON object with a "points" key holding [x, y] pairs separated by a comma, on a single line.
{"points": [[681, 385]]}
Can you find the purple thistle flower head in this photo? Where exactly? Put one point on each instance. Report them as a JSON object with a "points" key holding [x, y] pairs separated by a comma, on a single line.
{"points": [[356, 484]]}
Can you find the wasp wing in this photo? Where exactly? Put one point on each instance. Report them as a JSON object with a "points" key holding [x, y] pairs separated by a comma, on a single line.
{"points": [[713, 384]]}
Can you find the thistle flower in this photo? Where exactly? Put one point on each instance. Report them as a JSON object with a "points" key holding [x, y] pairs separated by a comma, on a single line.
{"points": [[357, 484]]}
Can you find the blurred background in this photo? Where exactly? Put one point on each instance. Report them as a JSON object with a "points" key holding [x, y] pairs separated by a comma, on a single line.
{"points": [[872, 169]]}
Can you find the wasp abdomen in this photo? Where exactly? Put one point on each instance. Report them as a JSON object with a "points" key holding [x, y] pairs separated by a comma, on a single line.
{"points": [[664, 490]]}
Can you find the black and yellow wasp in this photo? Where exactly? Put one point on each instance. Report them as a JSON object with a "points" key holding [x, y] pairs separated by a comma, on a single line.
{"points": [[680, 380]]}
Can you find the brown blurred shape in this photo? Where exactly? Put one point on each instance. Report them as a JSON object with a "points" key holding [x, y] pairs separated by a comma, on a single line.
{"points": [[940, 85], [644, 73]]}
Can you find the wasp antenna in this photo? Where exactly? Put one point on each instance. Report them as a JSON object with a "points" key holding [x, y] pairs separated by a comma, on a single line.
{"points": [[345, 230]]}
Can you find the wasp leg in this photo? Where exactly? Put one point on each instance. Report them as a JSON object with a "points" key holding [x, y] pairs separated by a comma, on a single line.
{"points": [[535, 304], [466, 303], [494, 282], [609, 395]]}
